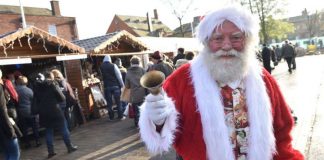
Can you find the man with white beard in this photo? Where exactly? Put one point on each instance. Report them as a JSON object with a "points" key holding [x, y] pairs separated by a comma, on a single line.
{"points": [[222, 105]]}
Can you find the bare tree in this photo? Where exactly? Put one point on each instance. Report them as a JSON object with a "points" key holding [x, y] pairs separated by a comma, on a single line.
{"points": [[264, 9], [179, 8], [313, 23]]}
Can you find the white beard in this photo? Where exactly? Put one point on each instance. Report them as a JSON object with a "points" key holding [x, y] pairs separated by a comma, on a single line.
{"points": [[226, 70]]}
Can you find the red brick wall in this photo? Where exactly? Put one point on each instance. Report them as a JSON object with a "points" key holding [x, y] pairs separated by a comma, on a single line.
{"points": [[65, 26], [118, 25]]}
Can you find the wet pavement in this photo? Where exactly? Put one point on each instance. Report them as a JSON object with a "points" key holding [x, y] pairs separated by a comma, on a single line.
{"points": [[304, 92], [103, 140]]}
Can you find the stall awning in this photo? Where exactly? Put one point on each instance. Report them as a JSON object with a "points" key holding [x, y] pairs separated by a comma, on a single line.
{"points": [[18, 60], [33, 42], [117, 43]]}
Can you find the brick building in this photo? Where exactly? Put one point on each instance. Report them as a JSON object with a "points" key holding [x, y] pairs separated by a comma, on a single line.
{"points": [[140, 26], [43, 18], [304, 21]]}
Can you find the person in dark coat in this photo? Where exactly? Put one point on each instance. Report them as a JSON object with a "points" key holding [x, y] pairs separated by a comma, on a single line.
{"points": [[266, 58], [47, 97], [293, 61], [277, 51], [8, 138], [160, 64], [288, 53], [180, 55], [113, 82], [25, 117]]}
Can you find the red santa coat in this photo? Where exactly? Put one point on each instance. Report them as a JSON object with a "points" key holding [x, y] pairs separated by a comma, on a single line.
{"points": [[196, 126]]}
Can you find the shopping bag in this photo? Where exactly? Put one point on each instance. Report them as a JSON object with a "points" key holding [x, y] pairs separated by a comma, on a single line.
{"points": [[131, 113], [126, 111], [125, 95]]}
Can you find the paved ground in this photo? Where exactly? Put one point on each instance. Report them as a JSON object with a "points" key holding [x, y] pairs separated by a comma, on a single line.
{"points": [[304, 91], [99, 139]]}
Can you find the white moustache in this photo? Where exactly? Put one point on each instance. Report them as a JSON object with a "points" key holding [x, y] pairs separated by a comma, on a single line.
{"points": [[232, 52]]}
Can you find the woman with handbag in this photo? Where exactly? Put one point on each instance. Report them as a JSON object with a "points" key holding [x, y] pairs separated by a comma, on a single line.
{"points": [[70, 98], [132, 82]]}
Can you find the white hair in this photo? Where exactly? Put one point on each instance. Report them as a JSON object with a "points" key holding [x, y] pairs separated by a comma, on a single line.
{"points": [[239, 16]]}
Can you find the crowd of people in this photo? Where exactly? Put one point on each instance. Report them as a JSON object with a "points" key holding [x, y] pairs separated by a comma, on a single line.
{"points": [[25, 105], [275, 54], [119, 81], [44, 101]]}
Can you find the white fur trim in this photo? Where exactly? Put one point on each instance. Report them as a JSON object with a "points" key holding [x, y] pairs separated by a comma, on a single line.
{"points": [[235, 13], [157, 143], [212, 112], [211, 109], [261, 139]]}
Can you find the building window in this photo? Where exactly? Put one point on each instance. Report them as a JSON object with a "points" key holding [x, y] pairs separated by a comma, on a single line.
{"points": [[52, 30]]}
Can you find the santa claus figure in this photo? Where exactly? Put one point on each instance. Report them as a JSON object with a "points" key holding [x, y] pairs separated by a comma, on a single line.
{"points": [[222, 105]]}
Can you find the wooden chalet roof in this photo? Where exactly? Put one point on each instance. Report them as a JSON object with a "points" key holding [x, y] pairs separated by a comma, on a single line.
{"points": [[37, 41], [139, 25], [8, 9], [116, 42]]}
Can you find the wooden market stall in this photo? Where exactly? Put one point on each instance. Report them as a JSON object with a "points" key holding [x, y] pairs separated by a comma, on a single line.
{"points": [[121, 45], [31, 51]]}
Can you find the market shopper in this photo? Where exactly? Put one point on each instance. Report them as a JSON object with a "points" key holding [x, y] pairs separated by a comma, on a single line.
{"points": [[160, 65], [112, 80], [223, 105], [123, 72], [47, 97], [25, 118], [132, 82], [8, 137], [70, 98], [180, 55]]}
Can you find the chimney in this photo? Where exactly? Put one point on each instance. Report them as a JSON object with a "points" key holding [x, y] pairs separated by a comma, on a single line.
{"points": [[196, 19], [55, 8], [156, 16], [149, 22]]}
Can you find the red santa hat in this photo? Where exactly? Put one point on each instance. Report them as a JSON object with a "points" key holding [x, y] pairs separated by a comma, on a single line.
{"points": [[236, 14]]}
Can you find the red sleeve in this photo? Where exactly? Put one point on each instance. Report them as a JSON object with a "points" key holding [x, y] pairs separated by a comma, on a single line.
{"points": [[11, 89], [282, 121]]}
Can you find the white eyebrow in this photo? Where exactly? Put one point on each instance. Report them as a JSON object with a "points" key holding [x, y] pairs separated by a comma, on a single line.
{"points": [[234, 34], [237, 33]]}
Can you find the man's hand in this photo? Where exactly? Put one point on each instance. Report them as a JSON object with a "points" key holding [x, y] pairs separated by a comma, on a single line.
{"points": [[156, 108]]}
